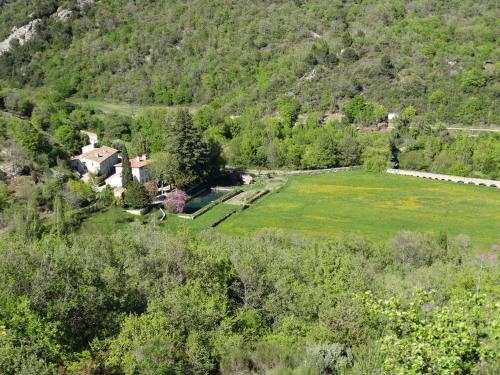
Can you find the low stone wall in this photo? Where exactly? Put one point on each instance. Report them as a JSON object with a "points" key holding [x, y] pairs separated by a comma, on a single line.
{"points": [[279, 172], [445, 177], [138, 212]]}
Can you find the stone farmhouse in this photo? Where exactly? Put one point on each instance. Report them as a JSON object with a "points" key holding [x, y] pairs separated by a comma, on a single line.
{"points": [[104, 161], [139, 172], [95, 159], [99, 161]]}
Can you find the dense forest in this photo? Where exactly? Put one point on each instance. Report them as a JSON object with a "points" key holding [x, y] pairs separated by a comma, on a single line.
{"points": [[272, 142], [439, 57]]}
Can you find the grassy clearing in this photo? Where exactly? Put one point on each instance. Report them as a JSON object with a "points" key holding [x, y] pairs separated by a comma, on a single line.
{"points": [[125, 109], [115, 218], [376, 205]]}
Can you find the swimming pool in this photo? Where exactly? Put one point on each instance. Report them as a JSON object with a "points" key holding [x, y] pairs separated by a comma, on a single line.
{"points": [[202, 200]]}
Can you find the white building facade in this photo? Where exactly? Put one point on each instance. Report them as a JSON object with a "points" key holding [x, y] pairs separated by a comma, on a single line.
{"points": [[138, 166], [99, 161]]}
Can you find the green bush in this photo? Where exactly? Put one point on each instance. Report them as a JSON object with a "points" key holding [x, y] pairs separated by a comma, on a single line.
{"points": [[136, 195], [473, 78]]}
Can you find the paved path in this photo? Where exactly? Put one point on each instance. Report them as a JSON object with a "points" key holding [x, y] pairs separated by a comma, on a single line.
{"points": [[462, 128], [475, 129]]}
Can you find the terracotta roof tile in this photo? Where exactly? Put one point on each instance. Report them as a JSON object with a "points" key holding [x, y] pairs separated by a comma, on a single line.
{"points": [[134, 163]]}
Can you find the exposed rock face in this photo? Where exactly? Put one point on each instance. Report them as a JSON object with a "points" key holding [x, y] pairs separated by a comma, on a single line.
{"points": [[22, 34], [63, 14], [81, 3], [26, 32], [14, 159]]}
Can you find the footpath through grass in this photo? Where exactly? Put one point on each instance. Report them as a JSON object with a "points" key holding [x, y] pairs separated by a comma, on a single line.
{"points": [[375, 205]]}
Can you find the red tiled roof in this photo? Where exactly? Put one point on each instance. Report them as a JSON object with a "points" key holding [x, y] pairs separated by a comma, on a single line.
{"points": [[134, 163]]}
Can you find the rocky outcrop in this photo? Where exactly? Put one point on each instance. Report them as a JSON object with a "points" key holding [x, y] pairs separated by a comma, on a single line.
{"points": [[63, 14], [22, 34], [26, 32], [81, 3]]}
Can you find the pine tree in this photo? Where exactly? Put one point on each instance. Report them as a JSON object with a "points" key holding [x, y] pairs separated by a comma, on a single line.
{"points": [[126, 170], [186, 144]]}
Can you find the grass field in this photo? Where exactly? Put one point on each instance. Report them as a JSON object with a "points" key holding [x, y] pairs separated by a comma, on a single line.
{"points": [[125, 109], [115, 218], [376, 205]]}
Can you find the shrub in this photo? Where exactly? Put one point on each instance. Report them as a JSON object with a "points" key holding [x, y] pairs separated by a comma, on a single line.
{"points": [[78, 192], [136, 195], [328, 358], [450, 339], [415, 250], [105, 197], [473, 78], [414, 159], [459, 169], [376, 159], [4, 196]]}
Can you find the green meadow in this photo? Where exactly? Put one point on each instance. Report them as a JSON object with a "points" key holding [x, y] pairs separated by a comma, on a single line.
{"points": [[124, 109], [115, 218], [376, 205]]}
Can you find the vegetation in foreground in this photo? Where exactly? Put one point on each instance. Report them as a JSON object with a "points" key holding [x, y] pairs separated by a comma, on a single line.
{"points": [[376, 205], [144, 302]]}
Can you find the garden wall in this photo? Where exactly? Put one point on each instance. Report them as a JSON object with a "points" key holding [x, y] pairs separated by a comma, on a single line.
{"points": [[445, 177]]}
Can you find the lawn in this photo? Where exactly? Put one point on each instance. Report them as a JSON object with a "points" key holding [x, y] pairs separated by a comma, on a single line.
{"points": [[125, 109], [115, 218], [376, 205]]}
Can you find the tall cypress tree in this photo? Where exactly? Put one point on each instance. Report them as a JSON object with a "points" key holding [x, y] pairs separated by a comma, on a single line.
{"points": [[59, 214], [126, 170], [186, 144]]}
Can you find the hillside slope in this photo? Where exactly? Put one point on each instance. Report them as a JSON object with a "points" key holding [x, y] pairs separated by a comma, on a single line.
{"points": [[440, 57]]}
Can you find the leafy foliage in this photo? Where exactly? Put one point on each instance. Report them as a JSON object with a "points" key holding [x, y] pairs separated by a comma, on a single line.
{"points": [[70, 139], [143, 301], [425, 339], [136, 195]]}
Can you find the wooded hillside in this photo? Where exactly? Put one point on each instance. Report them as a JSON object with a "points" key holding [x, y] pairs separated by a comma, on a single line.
{"points": [[440, 57]]}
